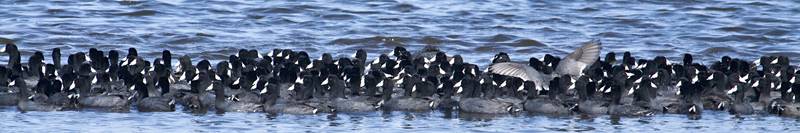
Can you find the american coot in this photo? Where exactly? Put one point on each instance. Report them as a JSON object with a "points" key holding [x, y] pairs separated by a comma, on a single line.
{"points": [[739, 106], [152, 103], [354, 103], [537, 105], [590, 106], [690, 103], [13, 54], [24, 104], [87, 98], [223, 104], [476, 104], [573, 65], [619, 109], [274, 104], [405, 102]]}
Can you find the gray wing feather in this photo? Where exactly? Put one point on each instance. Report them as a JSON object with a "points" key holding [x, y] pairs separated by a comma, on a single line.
{"points": [[525, 72]]}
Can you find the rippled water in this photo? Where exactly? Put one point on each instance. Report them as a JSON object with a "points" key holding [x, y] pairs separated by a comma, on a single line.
{"points": [[476, 29]]}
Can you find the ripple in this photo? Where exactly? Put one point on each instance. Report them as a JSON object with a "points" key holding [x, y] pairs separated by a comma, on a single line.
{"points": [[716, 50], [762, 19], [375, 39], [404, 8], [588, 9], [723, 8], [139, 13], [272, 10], [340, 17], [432, 40], [526, 42], [130, 2], [777, 32], [734, 29], [497, 38], [188, 40]]}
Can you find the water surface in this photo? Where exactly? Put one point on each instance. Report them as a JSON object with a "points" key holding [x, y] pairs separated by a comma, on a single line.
{"points": [[476, 29]]}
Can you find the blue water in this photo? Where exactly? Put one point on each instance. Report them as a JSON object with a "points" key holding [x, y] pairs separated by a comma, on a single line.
{"points": [[475, 29]]}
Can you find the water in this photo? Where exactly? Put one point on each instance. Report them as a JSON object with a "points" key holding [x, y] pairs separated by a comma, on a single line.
{"points": [[475, 29]]}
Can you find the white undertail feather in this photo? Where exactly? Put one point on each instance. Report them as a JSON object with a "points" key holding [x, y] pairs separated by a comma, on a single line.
{"points": [[196, 77], [312, 66], [757, 62], [743, 79], [631, 91], [387, 75], [325, 82], [755, 84], [734, 89], [376, 61], [263, 91], [362, 82], [72, 86]]}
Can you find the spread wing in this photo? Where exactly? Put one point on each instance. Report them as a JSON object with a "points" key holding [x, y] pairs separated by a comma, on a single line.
{"points": [[588, 53], [525, 72]]}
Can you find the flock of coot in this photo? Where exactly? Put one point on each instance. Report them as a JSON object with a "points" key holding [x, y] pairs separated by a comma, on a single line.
{"points": [[291, 82]]}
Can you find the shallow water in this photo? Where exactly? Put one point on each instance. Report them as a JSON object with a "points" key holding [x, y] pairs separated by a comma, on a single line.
{"points": [[475, 29]]}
